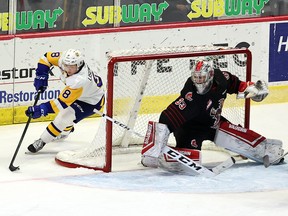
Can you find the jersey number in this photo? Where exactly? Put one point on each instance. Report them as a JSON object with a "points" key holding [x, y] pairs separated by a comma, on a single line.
{"points": [[66, 94], [97, 79], [181, 103], [55, 54]]}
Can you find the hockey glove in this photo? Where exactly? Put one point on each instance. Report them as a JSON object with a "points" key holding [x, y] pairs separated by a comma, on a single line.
{"points": [[256, 91], [263, 91], [41, 83], [41, 79], [36, 111]]}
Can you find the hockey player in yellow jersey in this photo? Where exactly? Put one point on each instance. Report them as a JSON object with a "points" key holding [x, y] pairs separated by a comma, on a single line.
{"points": [[83, 93]]}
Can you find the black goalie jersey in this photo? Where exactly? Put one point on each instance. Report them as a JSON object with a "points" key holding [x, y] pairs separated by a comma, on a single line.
{"points": [[193, 117]]}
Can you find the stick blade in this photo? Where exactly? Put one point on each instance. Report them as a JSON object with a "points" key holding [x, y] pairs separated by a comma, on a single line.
{"points": [[13, 168], [224, 165]]}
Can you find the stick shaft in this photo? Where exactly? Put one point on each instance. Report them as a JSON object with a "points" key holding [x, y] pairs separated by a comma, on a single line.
{"points": [[11, 166]]}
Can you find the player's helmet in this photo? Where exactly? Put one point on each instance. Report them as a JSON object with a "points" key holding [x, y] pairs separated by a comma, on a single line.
{"points": [[202, 76], [72, 57]]}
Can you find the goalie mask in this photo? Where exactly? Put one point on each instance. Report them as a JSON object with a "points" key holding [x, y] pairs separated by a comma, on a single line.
{"points": [[70, 58], [202, 76]]}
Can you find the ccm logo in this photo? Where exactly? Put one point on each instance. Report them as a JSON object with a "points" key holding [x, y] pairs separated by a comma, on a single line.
{"points": [[175, 155]]}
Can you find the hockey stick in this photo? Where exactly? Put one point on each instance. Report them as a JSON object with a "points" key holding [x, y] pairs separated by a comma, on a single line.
{"points": [[11, 166], [193, 165], [196, 167], [267, 163]]}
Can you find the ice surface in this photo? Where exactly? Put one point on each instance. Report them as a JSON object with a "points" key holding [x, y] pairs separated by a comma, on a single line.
{"points": [[41, 187]]}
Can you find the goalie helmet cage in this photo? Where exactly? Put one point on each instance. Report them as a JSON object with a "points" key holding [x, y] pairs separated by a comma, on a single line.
{"points": [[142, 83]]}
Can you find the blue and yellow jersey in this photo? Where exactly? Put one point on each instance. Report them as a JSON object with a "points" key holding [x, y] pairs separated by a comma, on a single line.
{"points": [[85, 85]]}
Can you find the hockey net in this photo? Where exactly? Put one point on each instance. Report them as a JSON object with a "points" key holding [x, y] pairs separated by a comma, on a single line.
{"points": [[141, 84]]}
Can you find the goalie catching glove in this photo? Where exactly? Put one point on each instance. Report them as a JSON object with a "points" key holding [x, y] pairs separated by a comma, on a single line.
{"points": [[256, 91]]}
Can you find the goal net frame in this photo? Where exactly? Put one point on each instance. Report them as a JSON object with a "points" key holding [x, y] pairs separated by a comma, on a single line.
{"points": [[148, 55], [110, 79]]}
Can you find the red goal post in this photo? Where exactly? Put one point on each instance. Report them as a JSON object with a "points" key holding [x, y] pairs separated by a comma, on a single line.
{"points": [[140, 84]]}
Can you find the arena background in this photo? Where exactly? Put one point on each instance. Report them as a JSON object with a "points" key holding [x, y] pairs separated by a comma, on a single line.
{"points": [[28, 29]]}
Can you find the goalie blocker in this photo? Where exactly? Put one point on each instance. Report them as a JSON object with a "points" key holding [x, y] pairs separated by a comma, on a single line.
{"points": [[229, 136]]}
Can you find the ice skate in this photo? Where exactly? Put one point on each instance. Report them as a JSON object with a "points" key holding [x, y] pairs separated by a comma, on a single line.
{"points": [[60, 137], [36, 146], [64, 134]]}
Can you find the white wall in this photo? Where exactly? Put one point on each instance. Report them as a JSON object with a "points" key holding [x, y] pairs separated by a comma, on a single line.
{"points": [[95, 46]]}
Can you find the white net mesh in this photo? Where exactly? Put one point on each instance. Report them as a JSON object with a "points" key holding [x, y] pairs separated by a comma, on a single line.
{"points": [[143, 86]]}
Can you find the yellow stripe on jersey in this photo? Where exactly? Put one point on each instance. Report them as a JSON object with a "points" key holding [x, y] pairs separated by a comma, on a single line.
{"points": [[53, 57], [42, 61], [69, 95], [102, 101], [50, 58]]}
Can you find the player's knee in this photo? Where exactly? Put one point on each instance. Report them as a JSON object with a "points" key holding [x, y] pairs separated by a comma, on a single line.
{"points": [[65, 117]]}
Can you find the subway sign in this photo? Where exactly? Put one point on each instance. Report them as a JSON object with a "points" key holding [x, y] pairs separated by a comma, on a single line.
{"points": [[228, 8], [26, 20], [131, 13]]}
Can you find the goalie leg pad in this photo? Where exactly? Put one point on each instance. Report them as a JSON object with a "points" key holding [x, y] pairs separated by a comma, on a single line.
{"points": [[169, 164], [156, 138], [247, 142], [274, 150]]}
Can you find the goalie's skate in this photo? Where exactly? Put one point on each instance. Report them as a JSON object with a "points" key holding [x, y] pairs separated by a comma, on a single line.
{"points": [[36, 146]]}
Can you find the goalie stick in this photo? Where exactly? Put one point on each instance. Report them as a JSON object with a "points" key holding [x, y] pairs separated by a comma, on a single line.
{"points": [[267, 162], [191, 164], [11, 166]]}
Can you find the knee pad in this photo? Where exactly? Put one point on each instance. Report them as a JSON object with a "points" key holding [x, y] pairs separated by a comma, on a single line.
{"points": [[156, 138]]}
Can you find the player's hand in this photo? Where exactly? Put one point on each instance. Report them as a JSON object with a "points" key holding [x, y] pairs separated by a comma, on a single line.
{"points": [[41, 83], [36, 111]]}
